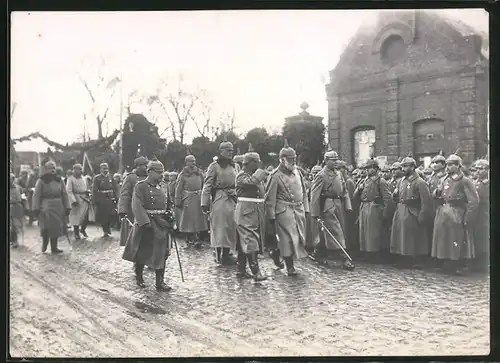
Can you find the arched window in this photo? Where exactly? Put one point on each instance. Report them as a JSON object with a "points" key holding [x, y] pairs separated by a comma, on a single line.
{"points": [[363, 142], [393, 49]]}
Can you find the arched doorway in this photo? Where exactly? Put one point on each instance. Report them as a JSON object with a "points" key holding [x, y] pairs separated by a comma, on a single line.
{"points": [[363, 144], [428, 139]]}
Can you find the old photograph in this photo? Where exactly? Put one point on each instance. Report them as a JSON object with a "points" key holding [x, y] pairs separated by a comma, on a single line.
{"points": [[249, 183]]}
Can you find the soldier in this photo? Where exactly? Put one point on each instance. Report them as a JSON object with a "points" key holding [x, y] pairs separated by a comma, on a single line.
{"points": [[104, 195], [249, 216], [191, 220], [69, 173], [411, 217], [427, 174], [118, 180], [172, 180], [350, 220], [22, 181], [482, 226], [126, 191], [51, 207], [30, 189], [312, 235], [393, 184], [287, 205], [79, 199], [219, 199], [438, 165], [473, 172], [16, 211], [329, 201], [452, 237], [150, 244], [386, 173], [374, 195], [60, 173], [238, 161]]}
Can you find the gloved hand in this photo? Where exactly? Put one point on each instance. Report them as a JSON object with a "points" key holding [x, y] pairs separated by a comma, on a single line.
{"points": [[205, 209], [122, 215]]}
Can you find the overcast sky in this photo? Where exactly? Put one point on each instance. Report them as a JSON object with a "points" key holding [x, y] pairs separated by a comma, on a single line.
{"points": [[261, 63]]}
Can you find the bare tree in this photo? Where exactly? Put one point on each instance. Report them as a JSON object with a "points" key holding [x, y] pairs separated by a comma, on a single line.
{"points": [[203, 116], [177, 103], [100, 87]]}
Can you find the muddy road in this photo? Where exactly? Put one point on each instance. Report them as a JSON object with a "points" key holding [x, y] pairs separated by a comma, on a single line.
{"points": [[84, 303]]}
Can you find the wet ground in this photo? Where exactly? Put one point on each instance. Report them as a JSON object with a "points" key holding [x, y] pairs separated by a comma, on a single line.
{"points": [[84, 303]]}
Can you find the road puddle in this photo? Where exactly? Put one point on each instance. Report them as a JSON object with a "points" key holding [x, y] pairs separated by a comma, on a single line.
{"points": [[145, 308]]}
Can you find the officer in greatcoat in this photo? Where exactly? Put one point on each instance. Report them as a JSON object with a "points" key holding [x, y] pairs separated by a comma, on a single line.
{"points": [[79, 199], [438, 166], [127, 189], [219, 199], [191, 220], [329, 202], [374, 195], [249, 215], [312, 231], [482, 225], [454, 222], [350, 220], [150, 244], [105, 196], [287, 205], [410, 221]]}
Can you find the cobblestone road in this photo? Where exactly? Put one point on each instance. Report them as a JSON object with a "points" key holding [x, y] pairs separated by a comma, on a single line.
{"points": [[85, 303]]}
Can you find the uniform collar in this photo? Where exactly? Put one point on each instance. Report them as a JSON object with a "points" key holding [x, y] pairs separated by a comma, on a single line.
{"points": [[457, 176]]}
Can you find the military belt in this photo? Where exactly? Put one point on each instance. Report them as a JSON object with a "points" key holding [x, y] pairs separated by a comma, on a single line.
{"points": [[333, 198], [252, 200], [156, 211], [455, 203], [192, 191], [293, 204], [106, 191]]}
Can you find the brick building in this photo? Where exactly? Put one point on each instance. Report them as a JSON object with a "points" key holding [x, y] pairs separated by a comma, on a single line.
{"points": [[413, 82]]}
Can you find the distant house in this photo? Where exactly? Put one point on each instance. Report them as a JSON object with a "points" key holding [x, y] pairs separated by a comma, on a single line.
{"points": [[414, 82]]}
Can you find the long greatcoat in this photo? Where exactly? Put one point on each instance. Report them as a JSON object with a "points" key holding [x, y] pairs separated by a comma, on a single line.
{"points": [[482, 224], [187, 196], [249, 215], [287, 204], [50, 200], [219, 190], [411, 219], [374, 201], [149, 246], [78, 192], [16, 210], [104, 195], [450, 239], [329, 201], [312, 230], [126, 191]]}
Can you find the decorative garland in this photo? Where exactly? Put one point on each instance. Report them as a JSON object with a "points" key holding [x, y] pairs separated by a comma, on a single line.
{"points": [[77, 146]]}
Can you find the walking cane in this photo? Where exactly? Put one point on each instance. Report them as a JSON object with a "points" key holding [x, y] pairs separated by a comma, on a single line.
{"points": [[177, 252], [323, 227]]}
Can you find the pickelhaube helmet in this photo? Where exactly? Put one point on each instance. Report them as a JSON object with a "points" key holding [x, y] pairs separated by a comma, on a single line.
{"points": [[330, 154], [482, 163], [226, 145], [408, 160], [287, 151], [454, 159], [396, 165], [439, 158]]}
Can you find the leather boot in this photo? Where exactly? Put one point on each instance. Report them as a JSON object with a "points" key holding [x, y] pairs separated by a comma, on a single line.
{"points": [[347, 264], [76, 231], [45, 242], [289, 266], [83, 231], [218, 255], [242, 266], [275, 255], [53, 246], [139, 278], [226, 258], [160, 284], [254, 266]]}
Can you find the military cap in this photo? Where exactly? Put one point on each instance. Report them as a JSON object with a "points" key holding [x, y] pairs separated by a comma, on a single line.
{"points": [[238, 158], [141, 160], [316, 169], [371, 163], [331, 155], [77, 167], [454, 159], [226, 145], [103, 164], [396, 165], [386, 168], [156, 166], [287, 151], [408, 161], [250, 156], [189, 158]]}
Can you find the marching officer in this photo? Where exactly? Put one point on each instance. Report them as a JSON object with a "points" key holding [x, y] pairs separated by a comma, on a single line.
{"points": [[150, 244], [375, 196], [287, 205], [329, 201], [454, 221], [127, 189], [410, 217], [482, 225], [104, 195], [313, 235], [248, 216], [219, 199]]}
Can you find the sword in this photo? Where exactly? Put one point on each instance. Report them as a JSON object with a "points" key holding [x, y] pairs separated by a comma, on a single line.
{"points": [[323, 227], [128, 221], [177, 252]]}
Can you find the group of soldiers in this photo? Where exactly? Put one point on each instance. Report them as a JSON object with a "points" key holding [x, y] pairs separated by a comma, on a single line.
{"points": [[328, 213]]}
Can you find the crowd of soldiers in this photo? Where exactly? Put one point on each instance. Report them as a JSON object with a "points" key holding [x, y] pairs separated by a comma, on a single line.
{"points": [[395, 215]]}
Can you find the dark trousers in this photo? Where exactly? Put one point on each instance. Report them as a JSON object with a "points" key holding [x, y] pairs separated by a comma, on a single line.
{"points": [[106, 227]]}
